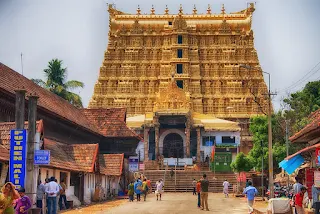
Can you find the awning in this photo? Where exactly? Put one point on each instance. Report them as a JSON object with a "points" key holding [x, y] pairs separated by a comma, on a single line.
{"points": [[303, 150], [292, 164]]}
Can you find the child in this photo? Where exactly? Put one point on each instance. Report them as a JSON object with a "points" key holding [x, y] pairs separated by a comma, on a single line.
{"points": [[131, 191], [23, 203], [199, 192], [159, 191], [299, 201]]}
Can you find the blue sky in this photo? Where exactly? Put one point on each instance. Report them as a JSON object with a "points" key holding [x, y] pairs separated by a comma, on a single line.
{"points": [[287, 34]]}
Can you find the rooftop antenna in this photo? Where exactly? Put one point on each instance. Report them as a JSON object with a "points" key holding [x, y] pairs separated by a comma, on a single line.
{"points": [[21, 63]]}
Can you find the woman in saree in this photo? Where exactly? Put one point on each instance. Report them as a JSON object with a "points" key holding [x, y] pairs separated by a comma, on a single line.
{"points": [[7, 198]]}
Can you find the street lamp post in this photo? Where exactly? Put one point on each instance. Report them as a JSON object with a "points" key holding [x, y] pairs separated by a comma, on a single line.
{"points": [[271, 187]]}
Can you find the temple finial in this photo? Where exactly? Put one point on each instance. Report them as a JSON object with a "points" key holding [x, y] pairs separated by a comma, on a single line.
{"points": [[209, 9], [166, 11], [138, 10], [194, 10], [223, 11], [180, 10], [152, 10]]}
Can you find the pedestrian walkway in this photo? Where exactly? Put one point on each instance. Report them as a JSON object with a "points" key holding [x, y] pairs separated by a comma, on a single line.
{"points": [[172, 203]]}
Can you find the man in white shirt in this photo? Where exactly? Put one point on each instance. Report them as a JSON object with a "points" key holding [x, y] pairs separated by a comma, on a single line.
{"points": [[226, 188], [52, 190]]}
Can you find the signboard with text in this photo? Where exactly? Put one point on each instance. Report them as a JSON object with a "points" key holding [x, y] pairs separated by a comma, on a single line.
{"points": [[17, 162], [317, 178], [41, 157], [133, 164]]}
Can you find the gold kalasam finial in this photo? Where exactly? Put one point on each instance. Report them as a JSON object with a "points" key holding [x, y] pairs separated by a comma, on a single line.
{"points": [[209, 9], [194, 10], [166, 11], [138, 10], [223, 11], [152, 10], [180, 10]]}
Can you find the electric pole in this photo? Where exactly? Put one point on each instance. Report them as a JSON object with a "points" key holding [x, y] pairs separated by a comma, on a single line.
{"points": [[287, 145]]}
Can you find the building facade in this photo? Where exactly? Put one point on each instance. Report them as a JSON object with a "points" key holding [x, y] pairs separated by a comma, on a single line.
{"points": [[170, 69]]}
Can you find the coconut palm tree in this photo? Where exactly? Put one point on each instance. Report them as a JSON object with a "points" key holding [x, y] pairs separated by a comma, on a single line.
{"points": [[56, 82]]}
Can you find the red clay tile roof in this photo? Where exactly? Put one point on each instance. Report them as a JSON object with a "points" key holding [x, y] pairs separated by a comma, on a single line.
{"points": [[313, 125], [10, 81], [75, 157], [5, 128], [111, 164], [110, 122]]}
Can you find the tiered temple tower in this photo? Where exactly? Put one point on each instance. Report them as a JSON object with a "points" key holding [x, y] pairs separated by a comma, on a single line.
{"points": [[203, 51]]}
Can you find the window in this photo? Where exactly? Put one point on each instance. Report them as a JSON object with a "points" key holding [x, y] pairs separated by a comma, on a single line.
{"points": [[179, 69], [179, 39], [88, 177], [208, 140], [180, 83], [179, 53], [228, 139], [170, 23]]}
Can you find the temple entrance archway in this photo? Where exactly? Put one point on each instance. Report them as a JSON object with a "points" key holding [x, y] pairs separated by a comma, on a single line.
{"points": [[173, 146]]}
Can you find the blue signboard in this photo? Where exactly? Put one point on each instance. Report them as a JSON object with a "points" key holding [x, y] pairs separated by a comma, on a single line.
{"points": [[133, 164], [17, 163], [41, 157]]}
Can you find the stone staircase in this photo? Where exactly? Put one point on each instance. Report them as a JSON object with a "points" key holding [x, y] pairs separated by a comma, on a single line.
{"points": [[183, 181]]}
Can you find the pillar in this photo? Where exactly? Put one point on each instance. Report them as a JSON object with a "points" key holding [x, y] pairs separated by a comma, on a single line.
{"points": [[156, 128], [188, 141], [198, 144], [146, 143], [32, 171], [20, 106]]}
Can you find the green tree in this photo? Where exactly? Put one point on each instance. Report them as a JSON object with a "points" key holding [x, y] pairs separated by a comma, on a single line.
{"points": [[301, 104], [56, 82], [241, 163]]}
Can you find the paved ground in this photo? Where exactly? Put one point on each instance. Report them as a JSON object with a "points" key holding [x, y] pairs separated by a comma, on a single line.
{"points": [[172, 203]]}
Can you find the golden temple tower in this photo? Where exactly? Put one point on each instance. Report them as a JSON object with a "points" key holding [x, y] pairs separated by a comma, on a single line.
{"points": [[204, 51]]}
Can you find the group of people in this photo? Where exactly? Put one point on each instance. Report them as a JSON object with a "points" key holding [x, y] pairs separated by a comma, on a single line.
{"points": [[201, 189], [13, 201], [51, 190], [143, 188]]}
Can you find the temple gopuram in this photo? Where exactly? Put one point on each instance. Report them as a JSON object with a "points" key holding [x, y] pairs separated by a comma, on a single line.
{"points": [[185, 82]]}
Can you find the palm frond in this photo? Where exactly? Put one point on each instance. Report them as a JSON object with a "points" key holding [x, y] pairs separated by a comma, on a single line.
{"points": [[74, 99], [73, 84]]}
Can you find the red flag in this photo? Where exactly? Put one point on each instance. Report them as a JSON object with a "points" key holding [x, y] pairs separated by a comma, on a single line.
{"points": [[213, 151]]}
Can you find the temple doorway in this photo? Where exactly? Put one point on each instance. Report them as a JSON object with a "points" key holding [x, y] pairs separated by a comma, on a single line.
{"points": [[173, 146]]}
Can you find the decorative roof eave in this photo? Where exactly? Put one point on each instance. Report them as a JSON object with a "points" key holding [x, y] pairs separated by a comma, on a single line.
{"points": [[308, 133]]}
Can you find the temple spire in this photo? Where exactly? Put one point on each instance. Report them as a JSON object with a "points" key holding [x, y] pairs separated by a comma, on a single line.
{"points": [[209, 9], [152, 10], [166, 11], [194, 10], [138, 10], [180, 10], [223, 11]]}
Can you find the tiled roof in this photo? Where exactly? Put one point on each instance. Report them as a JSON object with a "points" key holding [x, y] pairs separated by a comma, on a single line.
{"points": [[75, 157], [10, 81], [5, 128], [313, 125], [110, 122], [111, 164]]}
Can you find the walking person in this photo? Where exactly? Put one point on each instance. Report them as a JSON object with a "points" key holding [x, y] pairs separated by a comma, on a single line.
{"points": [[63, 188], [138, 189], [159, 190], [145, 189], [194, 184], [7, 197], [299, 200], [199, 192], [23, 204], [251, 192], [41, 190], [52, 191], [226, 188], [204, 192], [131, 191]]}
